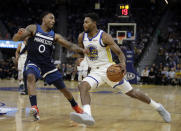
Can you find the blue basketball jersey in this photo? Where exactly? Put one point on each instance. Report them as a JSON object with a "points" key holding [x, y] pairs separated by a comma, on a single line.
{"points": [[40, 46], [40, 49]]}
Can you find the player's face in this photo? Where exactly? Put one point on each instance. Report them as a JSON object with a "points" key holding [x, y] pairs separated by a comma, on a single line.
{"points": [[88, 24], [49, 20]]}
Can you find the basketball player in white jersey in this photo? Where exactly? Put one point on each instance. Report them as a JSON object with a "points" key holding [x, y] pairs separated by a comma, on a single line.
{"points": [[99, 59], [21, 58], [82, 69]]}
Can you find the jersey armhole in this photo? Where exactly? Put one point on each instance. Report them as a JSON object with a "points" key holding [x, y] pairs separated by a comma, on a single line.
{"points": [[83, 37], [53, 38], [37, 26], [100, 41]]}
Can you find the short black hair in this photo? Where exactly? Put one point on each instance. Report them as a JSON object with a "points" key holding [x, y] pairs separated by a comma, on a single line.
{"points": [[92, 15], [43, 14]]}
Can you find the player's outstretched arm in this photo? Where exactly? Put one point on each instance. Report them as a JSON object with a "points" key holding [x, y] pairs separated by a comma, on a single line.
{"points": [[24, 32], [80, 44], [108, 40], [69, 45]]}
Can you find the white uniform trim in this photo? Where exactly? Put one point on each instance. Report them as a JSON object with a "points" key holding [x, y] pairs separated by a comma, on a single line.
{"points": [[49, 72], [32, 64], [46, 37]]}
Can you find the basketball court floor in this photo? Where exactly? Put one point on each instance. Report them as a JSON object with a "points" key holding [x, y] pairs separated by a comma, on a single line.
{"points": [[112, 110]]}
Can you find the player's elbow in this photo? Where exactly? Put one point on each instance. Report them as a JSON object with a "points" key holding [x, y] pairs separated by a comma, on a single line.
{"points": [[73, 47], [16, 37]]}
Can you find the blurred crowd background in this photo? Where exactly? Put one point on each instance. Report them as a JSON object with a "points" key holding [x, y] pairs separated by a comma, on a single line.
{"points": [[166, 68]]}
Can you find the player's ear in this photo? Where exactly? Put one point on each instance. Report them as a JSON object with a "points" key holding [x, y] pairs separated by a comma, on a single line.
{"points": [[43, 19], [94, 22]]}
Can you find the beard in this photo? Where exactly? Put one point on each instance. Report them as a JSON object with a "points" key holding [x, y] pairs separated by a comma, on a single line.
{"points": [[87, 31], [50, 27]]}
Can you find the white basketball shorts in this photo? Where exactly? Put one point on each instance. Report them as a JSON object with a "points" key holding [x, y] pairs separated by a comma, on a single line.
{"points": [[98, 77]]}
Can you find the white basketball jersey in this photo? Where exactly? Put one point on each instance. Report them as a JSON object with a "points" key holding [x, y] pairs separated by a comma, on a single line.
{"points": [[22, 47], [100, 54], [83, 65]]}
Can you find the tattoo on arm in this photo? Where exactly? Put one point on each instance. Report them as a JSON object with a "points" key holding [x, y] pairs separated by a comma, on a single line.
{"points": [[69, 45], [29, 31]]}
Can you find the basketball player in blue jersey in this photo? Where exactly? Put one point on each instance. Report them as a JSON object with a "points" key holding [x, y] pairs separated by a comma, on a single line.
{"points": [[39, 59], [99, 59]]}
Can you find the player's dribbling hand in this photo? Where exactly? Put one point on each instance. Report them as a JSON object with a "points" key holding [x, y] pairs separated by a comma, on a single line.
{"points": [[123, 67]]}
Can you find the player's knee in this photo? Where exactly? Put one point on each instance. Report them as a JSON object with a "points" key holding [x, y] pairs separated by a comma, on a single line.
{"points": [[84, 87], [31, 78], [132, 93]]}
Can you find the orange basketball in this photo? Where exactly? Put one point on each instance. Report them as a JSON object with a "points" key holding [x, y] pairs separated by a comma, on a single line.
{"points": [[115, 73]]}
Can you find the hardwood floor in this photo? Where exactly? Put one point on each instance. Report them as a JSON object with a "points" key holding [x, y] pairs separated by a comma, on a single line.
{"points": [[112, 110]]}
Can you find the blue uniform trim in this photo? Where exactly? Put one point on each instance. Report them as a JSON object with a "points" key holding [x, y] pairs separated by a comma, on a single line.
{"points": [[94, 36], [102, 44], [120, 83], [94, 79], [51, 32]]}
